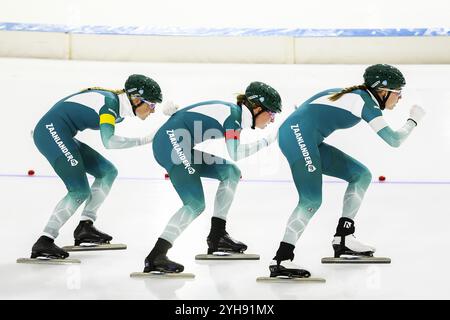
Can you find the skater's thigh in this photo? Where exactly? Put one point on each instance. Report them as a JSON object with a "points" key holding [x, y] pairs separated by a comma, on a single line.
{"points": [[94, 162], [307, 182], [172, 145], [188, 185], [215, 167], [302, 153], [336, 163], [73, 175]]}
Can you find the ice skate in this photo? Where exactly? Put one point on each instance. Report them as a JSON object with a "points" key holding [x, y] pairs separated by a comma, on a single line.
{"points": [[44, 251], [85, 232], [162, 264], [88, 238], [46, 248], [349, 250], [348, 246], [225, 243], [287, 271], [225, 247], [161, 267]]}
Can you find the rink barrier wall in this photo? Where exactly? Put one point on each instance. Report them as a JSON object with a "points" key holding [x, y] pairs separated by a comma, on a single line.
{"points": [[226, 45]]}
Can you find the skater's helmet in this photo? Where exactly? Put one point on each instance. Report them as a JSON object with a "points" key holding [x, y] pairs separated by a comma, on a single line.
{"points": [[264, 95], [379, 76], [144, 87]]}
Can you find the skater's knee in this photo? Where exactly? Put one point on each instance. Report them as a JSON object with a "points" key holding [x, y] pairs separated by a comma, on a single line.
{"points": [[109, 172], [196, 207], [80, 195], [364, 177], [234, 173], [112, 173], [199, 207], [311, 204]]}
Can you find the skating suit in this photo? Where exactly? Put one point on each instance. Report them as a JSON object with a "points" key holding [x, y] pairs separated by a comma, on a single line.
{"points": [[54, 134], [173, 145], [302, 134]]}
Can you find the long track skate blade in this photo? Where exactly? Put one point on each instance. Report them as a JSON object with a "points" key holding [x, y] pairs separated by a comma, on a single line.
{"points": [[98, 247], [162, 275], [289, 280], [356, 260], [227, 256], [47, 261]]}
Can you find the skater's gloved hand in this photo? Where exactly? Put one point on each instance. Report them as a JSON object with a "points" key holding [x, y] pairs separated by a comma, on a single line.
{"points": [[147, 139], [169, 108], [416, 113]]}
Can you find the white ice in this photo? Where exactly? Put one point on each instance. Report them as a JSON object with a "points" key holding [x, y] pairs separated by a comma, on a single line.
{"points": [[407, 218]]}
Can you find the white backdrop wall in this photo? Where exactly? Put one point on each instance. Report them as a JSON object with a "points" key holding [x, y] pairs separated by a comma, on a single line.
{"points": [[232, 13], [195, 18]]}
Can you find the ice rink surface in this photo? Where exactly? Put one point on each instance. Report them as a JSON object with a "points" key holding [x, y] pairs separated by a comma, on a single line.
{"points": [[407, 218]]}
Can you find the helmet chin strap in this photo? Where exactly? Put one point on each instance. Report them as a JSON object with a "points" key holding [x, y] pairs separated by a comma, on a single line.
{"points": [[255, 116], [133, 106], [381, 101]]}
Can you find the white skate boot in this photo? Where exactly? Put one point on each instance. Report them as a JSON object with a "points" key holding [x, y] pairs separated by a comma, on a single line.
{"points": [[349, 246], [345, 243], [349, 250]]}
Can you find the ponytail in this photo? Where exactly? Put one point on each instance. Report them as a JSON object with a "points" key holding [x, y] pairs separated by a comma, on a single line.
{"points": [[337, 95], [119, 91], [241, 99]]}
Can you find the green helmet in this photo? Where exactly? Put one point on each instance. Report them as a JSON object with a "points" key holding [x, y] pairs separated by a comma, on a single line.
{"points": [[265, 95], [383, 76], [144, 87]]}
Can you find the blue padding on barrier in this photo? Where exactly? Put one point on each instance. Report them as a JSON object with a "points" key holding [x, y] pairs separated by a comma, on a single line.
{"points": [[225, 32]]}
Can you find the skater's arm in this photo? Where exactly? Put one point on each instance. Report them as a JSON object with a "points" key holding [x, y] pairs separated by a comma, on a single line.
{"points": [[238, 150], [396, 138], [233, 128], [112, 141]]}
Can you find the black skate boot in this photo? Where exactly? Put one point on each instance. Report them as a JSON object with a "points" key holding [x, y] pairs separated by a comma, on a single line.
{"points": [[287, 269], [85, 232], [157, 259], [345, 243], [282, 266], [219, 240], [161, 263], [225, 243], [46, 248]]}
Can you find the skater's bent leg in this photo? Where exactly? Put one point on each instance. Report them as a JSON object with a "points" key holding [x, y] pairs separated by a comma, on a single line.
{"points": [[181, 219], [299, 145], [229, 176], [104, 172], [354, 194], [99, 191], [190, 190], [77, 184], [336, 163], [309, 187]]}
